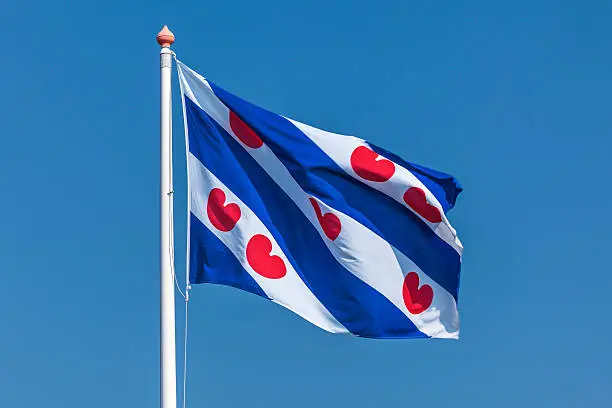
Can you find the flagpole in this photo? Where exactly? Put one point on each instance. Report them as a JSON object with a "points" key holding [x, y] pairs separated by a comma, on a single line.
{"points": [[167, 335]]}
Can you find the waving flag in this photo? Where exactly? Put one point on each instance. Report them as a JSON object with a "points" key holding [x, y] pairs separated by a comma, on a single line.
{"points": [[345, 234]]}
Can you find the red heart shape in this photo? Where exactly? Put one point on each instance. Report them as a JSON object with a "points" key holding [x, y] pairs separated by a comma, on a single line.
{"points": [[258, 255], [416, 299], [329, 222], [244, 132], [416, 199], [364, 163], [222, 217]]}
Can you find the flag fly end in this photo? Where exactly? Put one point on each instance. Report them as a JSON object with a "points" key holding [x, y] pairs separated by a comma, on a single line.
{"points": [[165, 38]]}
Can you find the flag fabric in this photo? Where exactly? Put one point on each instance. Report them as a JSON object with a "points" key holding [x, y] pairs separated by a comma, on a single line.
{"points": [[347, 235]]}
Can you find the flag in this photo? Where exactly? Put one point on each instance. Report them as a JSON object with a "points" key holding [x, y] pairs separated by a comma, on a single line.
{"points": [[345, 234]]}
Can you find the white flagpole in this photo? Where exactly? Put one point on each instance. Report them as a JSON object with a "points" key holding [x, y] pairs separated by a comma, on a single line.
{"points": [[167, 336]]}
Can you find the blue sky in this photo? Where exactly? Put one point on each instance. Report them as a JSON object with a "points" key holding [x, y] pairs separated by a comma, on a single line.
{"points": [[512, 98]]}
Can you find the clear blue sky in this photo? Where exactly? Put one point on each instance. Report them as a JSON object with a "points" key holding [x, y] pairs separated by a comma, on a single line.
{"points": [[513, 98]]}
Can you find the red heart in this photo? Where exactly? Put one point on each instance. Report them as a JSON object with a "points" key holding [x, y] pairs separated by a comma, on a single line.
{"points": [[364, 163], [329, 222], [416, 300], [222, 217], [244, 132], [416, 199], [258, 255]]}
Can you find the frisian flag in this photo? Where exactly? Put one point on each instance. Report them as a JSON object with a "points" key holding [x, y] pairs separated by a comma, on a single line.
{"points": [[347, 235]]}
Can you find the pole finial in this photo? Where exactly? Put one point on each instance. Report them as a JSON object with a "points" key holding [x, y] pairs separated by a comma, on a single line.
{"points": [[165, 38]]}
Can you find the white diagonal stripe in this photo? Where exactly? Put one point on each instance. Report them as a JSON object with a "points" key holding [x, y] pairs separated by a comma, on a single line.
{"points": [[340, 147], [289, 291]]}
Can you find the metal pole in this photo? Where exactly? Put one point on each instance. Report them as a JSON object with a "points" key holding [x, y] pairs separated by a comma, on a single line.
{"points": [[167, 336]]}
